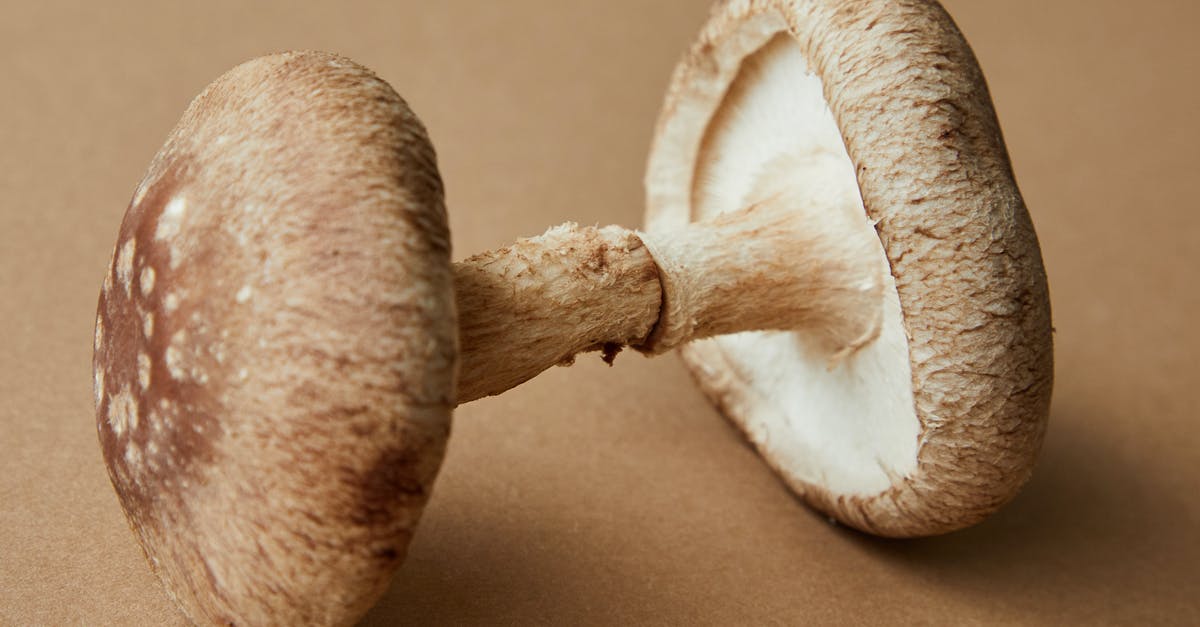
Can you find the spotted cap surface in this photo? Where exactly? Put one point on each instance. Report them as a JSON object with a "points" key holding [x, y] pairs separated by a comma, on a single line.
{"points": [[275, 345]]}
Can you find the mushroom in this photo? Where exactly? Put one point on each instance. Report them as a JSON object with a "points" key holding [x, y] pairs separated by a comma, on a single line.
{"points": [[280, 329], [276, 345], [881, 105]]}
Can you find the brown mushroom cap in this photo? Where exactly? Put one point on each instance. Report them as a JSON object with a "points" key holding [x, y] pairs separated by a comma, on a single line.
{"points": [[938, 422], [276, 344]]}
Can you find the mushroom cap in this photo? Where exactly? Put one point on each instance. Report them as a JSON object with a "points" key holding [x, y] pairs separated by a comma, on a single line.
{"points": [[276, 344], [937, 422]]}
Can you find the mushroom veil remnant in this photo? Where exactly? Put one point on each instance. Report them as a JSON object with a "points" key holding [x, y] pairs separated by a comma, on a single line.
{"points": [[834, 239]]}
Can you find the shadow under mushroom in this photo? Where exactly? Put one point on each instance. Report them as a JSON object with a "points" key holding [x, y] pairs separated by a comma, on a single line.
{"points": [[1073, 539]]}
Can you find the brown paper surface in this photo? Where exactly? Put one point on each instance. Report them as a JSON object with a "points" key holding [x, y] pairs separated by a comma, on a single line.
{"points": [[619, 495]]}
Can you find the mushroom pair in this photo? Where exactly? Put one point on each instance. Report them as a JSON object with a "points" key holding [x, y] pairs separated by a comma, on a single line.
{"points": [[834, 240]]}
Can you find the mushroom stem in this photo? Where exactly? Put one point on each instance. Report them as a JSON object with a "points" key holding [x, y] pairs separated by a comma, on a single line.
{"points": [[538, 302], [786, 263]]}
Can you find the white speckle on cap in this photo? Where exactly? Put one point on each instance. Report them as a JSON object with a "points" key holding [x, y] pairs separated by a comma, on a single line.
{"points": [[243, 374], [124, 266], [244, 294], [171, 219], [143, 362], [99, 336], [98, 385], [174, 362], [221, 139], [148, 325], [133, 456], [122, 411], [171, 302], [108, 276], [147, 280]]}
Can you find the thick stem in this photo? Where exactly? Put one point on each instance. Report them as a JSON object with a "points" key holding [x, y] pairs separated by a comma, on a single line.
{"points": [[783, 264], [540, 301]]}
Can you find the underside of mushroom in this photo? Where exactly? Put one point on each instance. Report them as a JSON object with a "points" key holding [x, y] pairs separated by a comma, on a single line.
{"points": [[938, 421]]}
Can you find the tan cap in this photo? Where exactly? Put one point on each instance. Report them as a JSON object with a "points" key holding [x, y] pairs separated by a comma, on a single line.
{"points": [[276, 344], [938, 421]]}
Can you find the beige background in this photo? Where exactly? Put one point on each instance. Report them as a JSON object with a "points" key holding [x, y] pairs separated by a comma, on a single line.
{"points": [[598, 495]]}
